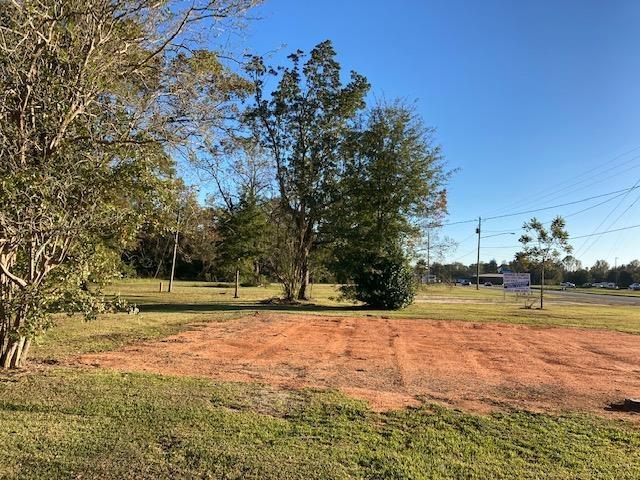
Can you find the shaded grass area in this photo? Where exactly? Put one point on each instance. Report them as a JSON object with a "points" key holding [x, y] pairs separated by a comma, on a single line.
{"points": [[164, 314], [434, 302], [73, 336], [69, 423]]}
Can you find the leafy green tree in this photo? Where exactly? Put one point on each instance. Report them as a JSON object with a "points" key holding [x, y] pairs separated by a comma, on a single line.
{"points": [[599, 270], [579, 277], [633, 267], [624, 278], [543, 247], [571, 263], [491, 267], [442, 273], [393, 181], [421, 268], [242, 178], [302, 127], [151, 256], [383, 280], [432, 246], [93, 93], [243, 229]]}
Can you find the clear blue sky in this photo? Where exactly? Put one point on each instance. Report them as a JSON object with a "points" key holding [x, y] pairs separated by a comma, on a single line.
{"points": [[525, 95]]}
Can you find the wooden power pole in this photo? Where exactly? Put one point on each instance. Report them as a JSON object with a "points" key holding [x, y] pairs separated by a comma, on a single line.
{"points": [[237, 283], [175, 253], [478, 257]]}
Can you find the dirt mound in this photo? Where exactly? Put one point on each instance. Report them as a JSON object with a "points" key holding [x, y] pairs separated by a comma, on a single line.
{"points": [[395, 363]]}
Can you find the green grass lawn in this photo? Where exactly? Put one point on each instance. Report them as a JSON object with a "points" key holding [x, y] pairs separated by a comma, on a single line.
{"points": [[69, 423], [163, 314], [438, 302], [623, 292], [60, 421]]}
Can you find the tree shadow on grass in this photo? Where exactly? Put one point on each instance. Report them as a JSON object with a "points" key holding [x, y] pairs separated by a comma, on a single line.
{"points": [[249, 306]]}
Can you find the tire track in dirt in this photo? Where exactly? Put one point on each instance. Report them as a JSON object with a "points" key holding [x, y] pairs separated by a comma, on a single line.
{"points": [[391, 363]]}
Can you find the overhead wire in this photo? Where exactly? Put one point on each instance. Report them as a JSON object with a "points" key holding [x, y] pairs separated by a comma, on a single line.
{"points": [[551, 207], [542, 194], [581, 251]]}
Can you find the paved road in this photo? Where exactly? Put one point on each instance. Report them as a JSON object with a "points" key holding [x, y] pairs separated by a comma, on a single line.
{"points": [[595, 298]]}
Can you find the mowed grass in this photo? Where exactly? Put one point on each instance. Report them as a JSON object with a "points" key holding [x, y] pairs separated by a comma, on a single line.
{"points": [[60, 421], [70, 423], [434, 302], [164, 314], [72, 336], [621, 292]]}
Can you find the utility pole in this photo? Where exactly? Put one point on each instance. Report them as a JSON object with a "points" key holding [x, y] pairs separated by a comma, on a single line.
{"points": [[428, 255], [175, 252], [235, 293], [616, 270], [478, 258]]}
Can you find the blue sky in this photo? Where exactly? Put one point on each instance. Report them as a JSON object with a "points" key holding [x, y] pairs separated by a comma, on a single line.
{"points": [[524, 95]]}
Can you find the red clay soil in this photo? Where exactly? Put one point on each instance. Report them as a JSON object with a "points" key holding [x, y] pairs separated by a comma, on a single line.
{"points": [[395, 363]]}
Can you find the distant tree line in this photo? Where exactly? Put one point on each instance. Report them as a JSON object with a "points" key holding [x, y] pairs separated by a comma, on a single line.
{"points": [[567, 270]]}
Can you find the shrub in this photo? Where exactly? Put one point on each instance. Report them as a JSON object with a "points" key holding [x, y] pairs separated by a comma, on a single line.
{"points": [[383, 281]]}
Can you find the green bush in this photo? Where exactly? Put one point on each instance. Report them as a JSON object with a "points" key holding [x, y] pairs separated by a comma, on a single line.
{"points": [[383, 281]]}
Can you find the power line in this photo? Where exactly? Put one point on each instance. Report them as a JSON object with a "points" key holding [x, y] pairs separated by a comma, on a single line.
{"points": [[592, 182], [462, 256], [574, 238], [563, 204], [460, 222], [466, 239], [617, 241], [585, 245], [622, 191], [559, 187], [607, 231], [592, 206]]}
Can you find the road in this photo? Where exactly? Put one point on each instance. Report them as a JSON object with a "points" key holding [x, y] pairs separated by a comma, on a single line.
{"points": [[594, 298]]}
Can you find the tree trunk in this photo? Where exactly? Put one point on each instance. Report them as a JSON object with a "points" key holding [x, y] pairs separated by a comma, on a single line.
{"points": [[14, 352], [13, 347], [304, 282]]}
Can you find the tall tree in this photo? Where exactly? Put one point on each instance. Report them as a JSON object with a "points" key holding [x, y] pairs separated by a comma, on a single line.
{"points": [[243, 179], [599, 270], [571, 263], [432, 246], [302, 127], [392, 184], [543, 247], [92, 94], [243, 229]]}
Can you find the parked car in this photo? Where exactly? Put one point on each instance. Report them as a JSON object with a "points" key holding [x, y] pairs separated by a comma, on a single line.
{"points": [[568, 285], [463, 281], [488, 284], [634, 286]]}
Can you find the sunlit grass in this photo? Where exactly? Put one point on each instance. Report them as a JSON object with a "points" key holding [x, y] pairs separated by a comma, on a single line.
{"points": [[71, 423], [62, 422]]}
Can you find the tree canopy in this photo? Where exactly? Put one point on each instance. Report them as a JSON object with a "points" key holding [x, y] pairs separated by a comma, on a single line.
{"points": [[93, 95]]}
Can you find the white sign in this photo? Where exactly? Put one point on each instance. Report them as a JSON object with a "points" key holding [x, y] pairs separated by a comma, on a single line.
{"points": [[517, 282]]}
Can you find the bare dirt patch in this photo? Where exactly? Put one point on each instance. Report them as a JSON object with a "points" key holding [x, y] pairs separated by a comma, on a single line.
{"points": [[394, 363]]}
